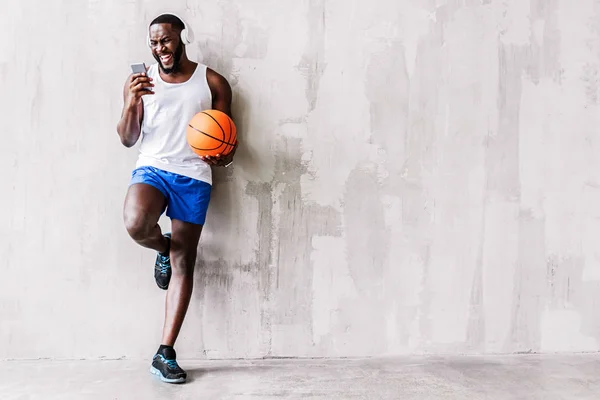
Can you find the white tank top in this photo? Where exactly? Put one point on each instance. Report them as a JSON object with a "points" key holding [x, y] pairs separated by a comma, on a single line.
{"points": [[167, 113]]}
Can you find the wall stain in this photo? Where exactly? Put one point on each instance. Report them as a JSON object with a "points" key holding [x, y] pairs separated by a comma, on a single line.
{"points": [[299, 221], [312, 64]]}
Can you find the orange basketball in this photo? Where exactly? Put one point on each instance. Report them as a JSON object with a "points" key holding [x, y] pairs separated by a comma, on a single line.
{"points": [[211, 132]]}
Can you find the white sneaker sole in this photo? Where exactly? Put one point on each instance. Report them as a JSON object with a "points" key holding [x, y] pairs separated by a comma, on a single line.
{"points": [[156, 372]]}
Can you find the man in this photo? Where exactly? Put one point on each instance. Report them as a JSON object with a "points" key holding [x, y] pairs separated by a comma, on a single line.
{"points": [[168, 176]]}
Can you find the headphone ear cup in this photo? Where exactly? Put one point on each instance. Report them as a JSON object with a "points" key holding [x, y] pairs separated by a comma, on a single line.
{"points": [[185, 36]]}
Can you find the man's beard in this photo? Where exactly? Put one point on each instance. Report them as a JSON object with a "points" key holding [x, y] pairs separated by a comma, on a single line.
{"points": [[176, 58]]}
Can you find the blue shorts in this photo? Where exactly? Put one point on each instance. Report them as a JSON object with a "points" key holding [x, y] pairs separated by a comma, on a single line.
{"points": [[187, 198]]}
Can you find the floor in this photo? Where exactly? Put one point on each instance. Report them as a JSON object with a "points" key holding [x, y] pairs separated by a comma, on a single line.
{"points": [[440, 378]]}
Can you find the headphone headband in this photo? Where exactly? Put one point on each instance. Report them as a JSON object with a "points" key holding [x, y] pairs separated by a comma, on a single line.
{"points": [[187, 35]]}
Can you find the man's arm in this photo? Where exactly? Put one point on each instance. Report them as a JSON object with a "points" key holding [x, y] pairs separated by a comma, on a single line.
{"points": [[129, 126], [221, 95], [221, 92]]}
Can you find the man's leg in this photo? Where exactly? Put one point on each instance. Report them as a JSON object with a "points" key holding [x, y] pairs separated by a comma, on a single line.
{"points": [[184, 244], [143, 207]]}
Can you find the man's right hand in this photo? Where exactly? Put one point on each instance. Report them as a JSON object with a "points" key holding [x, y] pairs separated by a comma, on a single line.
{"points": [[129, 126], [139, 85]]}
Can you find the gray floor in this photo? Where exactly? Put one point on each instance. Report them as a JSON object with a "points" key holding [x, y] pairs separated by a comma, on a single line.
{"points": [[465, 378]]}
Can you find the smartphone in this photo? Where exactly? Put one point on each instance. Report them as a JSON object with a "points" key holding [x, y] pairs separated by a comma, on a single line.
{"points": [[139, 68]]}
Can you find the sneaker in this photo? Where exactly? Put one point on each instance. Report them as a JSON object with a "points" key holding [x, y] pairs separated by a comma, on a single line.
{"points": [[162, 268], [167, 369]]}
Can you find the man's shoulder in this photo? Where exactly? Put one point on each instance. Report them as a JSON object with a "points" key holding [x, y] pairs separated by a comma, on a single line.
{"points": [[215, 80]]}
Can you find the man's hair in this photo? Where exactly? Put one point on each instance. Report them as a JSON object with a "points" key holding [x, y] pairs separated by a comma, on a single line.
{"points": [[169, 19]]}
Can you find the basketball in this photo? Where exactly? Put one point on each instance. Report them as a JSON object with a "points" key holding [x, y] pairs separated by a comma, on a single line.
{"points": [[211, 132]]}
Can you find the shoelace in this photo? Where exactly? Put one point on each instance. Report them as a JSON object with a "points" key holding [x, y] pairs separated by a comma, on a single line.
{"points": [[171, 363], [163, 263]]}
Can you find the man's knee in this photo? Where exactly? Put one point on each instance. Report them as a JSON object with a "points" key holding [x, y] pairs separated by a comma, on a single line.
{"points": [[183, 261], [137, 224]]}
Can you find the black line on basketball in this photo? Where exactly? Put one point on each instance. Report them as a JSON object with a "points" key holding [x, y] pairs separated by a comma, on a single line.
{"points": [[213, 118], [231, 145], [222, 150], [210, 136], [214, 148], [230, 134], [227, 140]]}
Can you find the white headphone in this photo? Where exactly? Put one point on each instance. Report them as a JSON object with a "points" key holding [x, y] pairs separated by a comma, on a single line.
{"points": [[187, 35]]}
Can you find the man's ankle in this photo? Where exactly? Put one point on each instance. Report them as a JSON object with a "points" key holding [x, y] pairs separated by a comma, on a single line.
{"points": [[167, 247], [167, 352]]}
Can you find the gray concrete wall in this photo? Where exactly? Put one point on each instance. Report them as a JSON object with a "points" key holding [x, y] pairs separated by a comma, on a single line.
{"points": [[413, 177]]}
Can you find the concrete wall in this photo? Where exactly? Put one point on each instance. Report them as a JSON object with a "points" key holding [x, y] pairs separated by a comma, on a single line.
{"points": [[413, 176]]}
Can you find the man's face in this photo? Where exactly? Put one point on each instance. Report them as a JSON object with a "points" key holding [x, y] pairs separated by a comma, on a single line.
{"points": [[166, 47]]}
